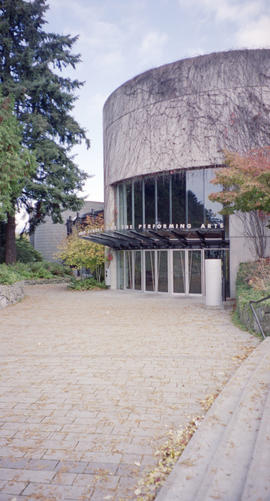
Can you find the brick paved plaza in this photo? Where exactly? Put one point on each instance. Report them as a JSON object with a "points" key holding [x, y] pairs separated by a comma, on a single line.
{"points": [[91, 383]]}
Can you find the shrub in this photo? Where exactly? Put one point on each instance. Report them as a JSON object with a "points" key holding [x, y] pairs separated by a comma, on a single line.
{"points": [[39, 270], [8, 276], [252, 284], [22, 269], [83, 255], [255, 275], [31, 271], [86, 284], [58, 269], [25, 251]]}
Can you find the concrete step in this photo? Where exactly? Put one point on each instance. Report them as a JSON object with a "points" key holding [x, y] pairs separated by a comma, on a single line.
{"points": [[228, 457]]}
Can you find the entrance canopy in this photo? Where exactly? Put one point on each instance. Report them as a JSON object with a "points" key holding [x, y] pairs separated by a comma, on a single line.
{"points": [[160, 239]]}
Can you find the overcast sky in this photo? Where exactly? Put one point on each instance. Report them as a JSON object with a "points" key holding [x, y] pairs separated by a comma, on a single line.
{"points": [[119, 39]]}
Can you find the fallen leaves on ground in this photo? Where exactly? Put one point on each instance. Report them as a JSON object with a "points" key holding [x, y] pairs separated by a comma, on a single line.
{"points": [[168, 454]]}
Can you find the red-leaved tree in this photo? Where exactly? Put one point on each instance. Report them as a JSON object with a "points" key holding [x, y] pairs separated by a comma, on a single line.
{"points": [[245, 190]]}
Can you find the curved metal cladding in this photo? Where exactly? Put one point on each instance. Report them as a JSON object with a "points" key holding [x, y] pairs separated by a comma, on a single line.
{"points": [[184, 114]]}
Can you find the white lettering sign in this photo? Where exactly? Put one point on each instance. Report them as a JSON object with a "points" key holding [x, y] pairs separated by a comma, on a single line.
{"points": [[164, 226]]}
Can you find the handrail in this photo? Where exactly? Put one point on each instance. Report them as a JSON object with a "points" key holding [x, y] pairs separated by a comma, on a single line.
{"points": [[255, 314]]}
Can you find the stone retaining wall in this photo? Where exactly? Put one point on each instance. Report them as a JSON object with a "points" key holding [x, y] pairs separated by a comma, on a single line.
{"points": [[40, 281], [10, 294], [263, 313]]}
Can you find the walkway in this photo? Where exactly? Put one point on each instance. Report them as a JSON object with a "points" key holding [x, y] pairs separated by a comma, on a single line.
{"points": [[91, 383], [228, 458]]}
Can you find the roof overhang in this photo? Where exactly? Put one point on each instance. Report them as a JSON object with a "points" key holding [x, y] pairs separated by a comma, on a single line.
{"points": [[160, 239]]}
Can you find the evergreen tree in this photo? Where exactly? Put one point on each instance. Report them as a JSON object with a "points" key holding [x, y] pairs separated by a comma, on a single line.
{"points": [[16, 167], [31, 61]]}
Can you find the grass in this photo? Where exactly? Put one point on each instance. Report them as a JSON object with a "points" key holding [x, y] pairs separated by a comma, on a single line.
{"points": [[237, 322]]}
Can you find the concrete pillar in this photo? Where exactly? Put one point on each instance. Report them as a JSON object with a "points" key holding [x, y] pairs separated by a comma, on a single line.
{"points": [[213, 282]]}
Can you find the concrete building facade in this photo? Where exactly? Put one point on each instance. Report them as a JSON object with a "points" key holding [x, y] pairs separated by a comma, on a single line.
{"points": [[48, 236], [165, 132]]}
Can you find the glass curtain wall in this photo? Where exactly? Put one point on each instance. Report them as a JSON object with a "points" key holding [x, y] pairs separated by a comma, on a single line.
{"points": [[212, 209], [162, 271], [120, 270], [179, 272], [138, 270], [129, 270], [195, 271], [179, 198], [150, 270], [195, 197], [150, 201], [129, 203], [163, 199], [137, 217]]}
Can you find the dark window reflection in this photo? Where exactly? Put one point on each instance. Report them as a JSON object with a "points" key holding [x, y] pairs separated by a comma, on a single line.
{"points": [[138, 203], [179, 198], [128, 270], [121, 209], [179, 271], [138, 270], [195, 270], [162, 269], [129, 203], [120, 277], [211, 208], [170, 198], [150, 270], [149, 194], [163, 194], [195, 193]]}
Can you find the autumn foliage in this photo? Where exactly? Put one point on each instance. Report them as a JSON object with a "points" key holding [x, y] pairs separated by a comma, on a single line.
{"points": [[245, 182], [79, 253]]}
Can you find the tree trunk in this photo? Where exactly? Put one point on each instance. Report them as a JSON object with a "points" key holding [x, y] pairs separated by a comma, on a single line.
{"points": [[10, 251]]}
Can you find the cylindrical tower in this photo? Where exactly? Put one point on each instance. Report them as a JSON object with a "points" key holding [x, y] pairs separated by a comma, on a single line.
{"points": [[179, 118]]}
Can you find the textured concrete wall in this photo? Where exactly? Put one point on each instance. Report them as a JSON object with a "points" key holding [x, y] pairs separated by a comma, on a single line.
{"points": [[241, 248], [48, 236], [183, 115]]}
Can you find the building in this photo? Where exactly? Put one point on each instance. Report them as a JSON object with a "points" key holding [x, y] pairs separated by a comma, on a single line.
{"points": [[164, 136], [47, 236]]}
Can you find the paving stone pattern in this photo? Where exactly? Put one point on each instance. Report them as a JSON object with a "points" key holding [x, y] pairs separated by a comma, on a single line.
{"points": [[92, 382]]}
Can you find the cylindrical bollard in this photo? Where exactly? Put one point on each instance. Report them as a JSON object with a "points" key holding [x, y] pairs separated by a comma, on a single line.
{"points": [[213, 282]]}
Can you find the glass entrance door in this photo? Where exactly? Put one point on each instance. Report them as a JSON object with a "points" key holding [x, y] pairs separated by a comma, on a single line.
{"points": [[187, 272], [179, 271], [162, 271], [194, 272]]}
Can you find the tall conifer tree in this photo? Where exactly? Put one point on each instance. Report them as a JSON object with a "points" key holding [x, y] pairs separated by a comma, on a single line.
{"points": [[17, 166], [31, 61]]}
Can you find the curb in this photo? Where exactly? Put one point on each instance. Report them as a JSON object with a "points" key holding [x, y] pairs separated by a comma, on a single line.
{"points": [[229, 455]]}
